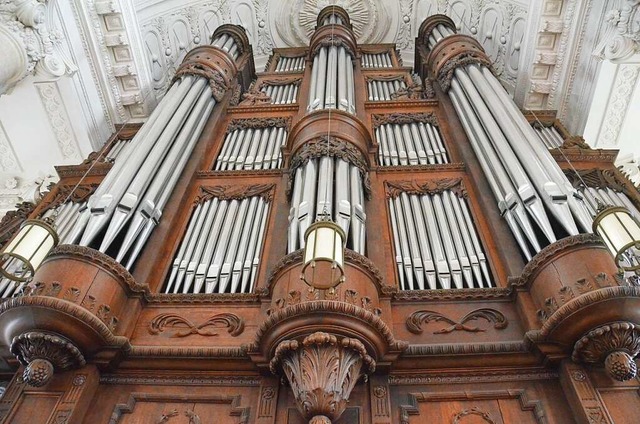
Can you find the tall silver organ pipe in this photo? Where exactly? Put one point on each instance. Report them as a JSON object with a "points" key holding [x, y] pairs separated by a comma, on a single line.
{"points": [[128, 204], [525, 179], [436, 243], [221, 249], [328, 185], [332, 84], [549, 136]]}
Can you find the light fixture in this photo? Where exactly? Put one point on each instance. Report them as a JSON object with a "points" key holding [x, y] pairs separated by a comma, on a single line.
{"points": [[323, 254], [26, 251], [621, 234]]}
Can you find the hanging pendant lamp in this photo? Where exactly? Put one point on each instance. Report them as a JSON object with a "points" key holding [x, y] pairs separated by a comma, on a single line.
{"points": [[323, 254], [620, 232]]}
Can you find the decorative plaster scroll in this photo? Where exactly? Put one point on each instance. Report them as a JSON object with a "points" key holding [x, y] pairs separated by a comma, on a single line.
{"points": [[622, 92], [334, 147], [59, 119], [415, 320], [235, 192], [254, 123], [8, 160], [404, 118], [622, 38], [394, 188], [182, 327]]}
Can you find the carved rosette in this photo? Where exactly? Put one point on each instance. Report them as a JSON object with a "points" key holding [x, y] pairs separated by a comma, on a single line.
{"points": [[322, 371], [614, 345], [42, 353], [453, 52]]}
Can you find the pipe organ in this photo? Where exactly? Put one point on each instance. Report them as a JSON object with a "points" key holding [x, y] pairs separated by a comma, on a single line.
{"points": [[181, 289]]}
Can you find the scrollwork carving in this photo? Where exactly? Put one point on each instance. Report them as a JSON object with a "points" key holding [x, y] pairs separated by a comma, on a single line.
{"points": [[255, 98], [416, 319], [235, 192], [255, 123], [457, 418], [182, 327], [217, 82], [445, 73], [394, 188], [404, 118]]}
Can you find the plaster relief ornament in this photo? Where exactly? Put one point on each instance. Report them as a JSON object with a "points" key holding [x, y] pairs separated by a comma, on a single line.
{"points": [[30, 43], [295, 21], [622, 36]]}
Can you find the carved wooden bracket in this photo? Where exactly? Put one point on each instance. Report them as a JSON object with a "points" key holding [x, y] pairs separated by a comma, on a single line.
{"points": [[235, 192], [322, 371], [394, 188], [42, 353], [182, 327], [255, 98], [416, 319], [616, 345], [79, 194]]}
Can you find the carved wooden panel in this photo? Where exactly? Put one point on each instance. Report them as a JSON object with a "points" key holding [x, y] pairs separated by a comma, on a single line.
{"points": [[159, 409]]}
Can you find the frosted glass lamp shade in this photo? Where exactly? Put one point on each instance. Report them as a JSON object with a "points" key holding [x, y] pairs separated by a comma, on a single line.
{"points": [[323, 255], [26, 251], [621, 234]]}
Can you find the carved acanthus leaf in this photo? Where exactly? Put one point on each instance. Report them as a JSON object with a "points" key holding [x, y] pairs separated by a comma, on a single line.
{"points": [[235, 192], [255, 123], [217, 82], [394, 188], [182, 327], [416, 319], [445, 73]]}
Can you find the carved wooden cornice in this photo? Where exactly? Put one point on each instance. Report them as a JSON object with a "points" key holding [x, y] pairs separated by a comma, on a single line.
{"points": [[202, 299], [406, 103], [333, 147], [71, 171], [106, 262], [435, 168], [235, 192], [455, 185], [255, 123], [549, 252], [470, 377], [493, 293], [427, 26], [160, 379], [453, 52], [403, 118], [241, 173], [186, 352], [465, 349]]}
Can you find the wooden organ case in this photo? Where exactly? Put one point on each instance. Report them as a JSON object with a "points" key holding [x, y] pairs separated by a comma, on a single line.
{"points": [[474, 290]]}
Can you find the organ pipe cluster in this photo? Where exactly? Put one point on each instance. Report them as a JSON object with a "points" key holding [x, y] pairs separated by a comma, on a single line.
{"points": [[531, 190], [416, 143], [436, 243], [250, 148], [281, 94], [381, 91], [376, 60], [332, 85], [220, 251], [332, 186], [290, 64]]}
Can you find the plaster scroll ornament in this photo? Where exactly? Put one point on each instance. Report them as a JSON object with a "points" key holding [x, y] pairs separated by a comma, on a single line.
{"points": [[30, 43], [622, 37]]}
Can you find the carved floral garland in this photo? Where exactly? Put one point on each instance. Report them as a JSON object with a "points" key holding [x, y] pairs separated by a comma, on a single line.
{"points": [[235, 192], [394, 188], [404, 118]]}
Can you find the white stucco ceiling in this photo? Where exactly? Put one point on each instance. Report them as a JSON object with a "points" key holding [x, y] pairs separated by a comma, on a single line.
{"points": [[119, 56]]}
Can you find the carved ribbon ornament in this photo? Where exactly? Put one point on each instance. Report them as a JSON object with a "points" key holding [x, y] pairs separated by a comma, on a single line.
{"points": [[182, 327], [416, 319]]}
